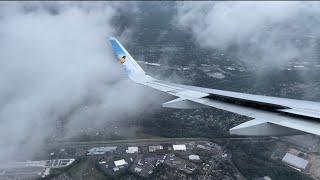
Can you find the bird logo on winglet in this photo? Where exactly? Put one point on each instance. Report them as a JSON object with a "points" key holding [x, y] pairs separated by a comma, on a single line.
{"points": [[123, 59]]}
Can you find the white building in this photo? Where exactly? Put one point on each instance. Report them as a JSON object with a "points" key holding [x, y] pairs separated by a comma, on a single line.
{"points": [[101, 150], [194, 157], [116, 169], [179, 147], [120, 162], [295, 161], [132, 150], [136, 169], [155, 148]]}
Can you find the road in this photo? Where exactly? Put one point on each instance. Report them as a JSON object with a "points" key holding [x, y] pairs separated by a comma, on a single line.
{"points": [[149, 141]]}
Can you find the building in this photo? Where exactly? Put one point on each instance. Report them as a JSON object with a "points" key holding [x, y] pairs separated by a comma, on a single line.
{"points": [[144, 166], [120, 162], [180, 164], [179, 147], [132, 150], [204, 147], [194, 157], [58, 163], [101, 150], [155, 148], [52, 163], [115, 169], [263, 178], [45, 173], [136, 169], [295, 161]]}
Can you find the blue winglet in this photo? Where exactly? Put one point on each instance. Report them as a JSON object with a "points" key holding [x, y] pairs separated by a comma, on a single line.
{"points": [[130, 65]]}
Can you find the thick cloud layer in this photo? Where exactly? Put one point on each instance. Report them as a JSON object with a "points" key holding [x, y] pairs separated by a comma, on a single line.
{"points": [[56, 64], [259, 33]]}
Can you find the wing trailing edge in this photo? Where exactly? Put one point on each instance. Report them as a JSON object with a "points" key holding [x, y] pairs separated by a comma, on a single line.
{"points": [[182, 103]]}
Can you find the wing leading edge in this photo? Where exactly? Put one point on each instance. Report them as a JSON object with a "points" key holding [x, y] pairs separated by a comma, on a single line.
{"points": [[272, 116]]}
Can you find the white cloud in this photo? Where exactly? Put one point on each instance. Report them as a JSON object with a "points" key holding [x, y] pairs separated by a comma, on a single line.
{"points": [[263, 32], [54, 59]]}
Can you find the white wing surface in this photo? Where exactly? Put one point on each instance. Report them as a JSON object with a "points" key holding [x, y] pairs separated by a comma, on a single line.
{"points": [[272, 116]]}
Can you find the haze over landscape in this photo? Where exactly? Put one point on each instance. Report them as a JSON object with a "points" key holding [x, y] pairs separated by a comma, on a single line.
{"points": [[60, 80]]}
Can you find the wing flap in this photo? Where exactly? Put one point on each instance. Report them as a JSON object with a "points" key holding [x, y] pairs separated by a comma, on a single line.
{"points": [[182, 103], [253, 99], [302, 112], [295, 123], [262, 127], [308, 126]]}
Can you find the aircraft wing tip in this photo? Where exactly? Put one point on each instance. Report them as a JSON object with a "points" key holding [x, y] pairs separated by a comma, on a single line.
{"points": [[112, 38]]}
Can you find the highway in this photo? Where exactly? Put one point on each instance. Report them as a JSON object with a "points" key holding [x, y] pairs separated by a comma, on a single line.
{"points": [[151, 141]]}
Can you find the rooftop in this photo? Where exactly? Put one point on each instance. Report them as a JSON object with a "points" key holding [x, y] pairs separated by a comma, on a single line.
{"points": [[132, 150], [295, 161], [120, 162], [155, 148], [179, 147], [101, 150], [194, 157]]}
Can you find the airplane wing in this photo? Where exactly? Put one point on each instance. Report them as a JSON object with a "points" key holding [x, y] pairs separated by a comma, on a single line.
{"points": [[272, 116]]}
